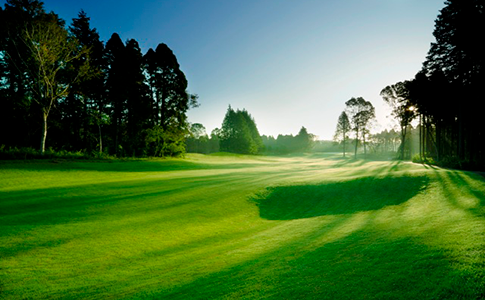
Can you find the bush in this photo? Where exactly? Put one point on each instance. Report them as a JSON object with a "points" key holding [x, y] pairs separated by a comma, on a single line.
{"points": [[451, 162], [423, 160], [454, 162], [30, 153], [416, 159]]}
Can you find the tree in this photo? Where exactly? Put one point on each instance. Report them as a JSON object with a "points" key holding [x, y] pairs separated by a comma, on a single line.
{"points": [[257, 143], [51, 52], [214, 141], [457, 50], [82, 109], [239, 133], [343, 127], [446, 90], [87, 95], [168, 85], [197, 140], [304, 140], [168, 90], [139, 113], [99, 118], [115, 89], [361, 113], [16, 100], [397, 97]]}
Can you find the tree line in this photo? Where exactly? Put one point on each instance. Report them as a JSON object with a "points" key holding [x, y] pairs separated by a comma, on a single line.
{"points": [[62, 87], [444, 96], [239, 134], [285, 144]]}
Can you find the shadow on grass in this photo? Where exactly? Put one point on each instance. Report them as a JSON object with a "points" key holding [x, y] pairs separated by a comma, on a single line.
{"points": [[158, 165], [60, 205], [464, 190], [360, 266], [362, 194]]}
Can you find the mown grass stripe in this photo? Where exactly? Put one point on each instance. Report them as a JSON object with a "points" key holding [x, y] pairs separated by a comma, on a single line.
{"points": [[313, 227]]}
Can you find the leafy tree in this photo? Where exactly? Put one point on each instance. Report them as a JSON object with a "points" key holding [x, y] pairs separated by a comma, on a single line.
{"points": [[93, 96], [457, 50], [139, 114], [197, 140], [115, 85], [257, 143], [239, 133], [168, 89], [99, 119], [361, 112], [445, 91], [49, 64], [343, 127], [197, 130], [214, 141], [16, 100], [168, 85], [387, 140], [304, 140], [165, 142], [85, 103], [269, 143], [285, 144], [397, 97]]}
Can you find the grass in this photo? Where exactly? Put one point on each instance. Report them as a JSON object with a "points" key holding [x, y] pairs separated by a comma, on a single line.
{"points": [[240, 227]]}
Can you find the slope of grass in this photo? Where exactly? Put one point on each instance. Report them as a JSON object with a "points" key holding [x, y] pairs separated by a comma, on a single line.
{"points": [[238, 227]]}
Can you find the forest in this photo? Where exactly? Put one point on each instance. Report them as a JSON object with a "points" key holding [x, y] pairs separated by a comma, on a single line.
{"points": [[63, 88], [444, 96]]}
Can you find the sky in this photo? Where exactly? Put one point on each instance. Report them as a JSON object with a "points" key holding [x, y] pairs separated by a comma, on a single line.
{"points": [[288, 63]]}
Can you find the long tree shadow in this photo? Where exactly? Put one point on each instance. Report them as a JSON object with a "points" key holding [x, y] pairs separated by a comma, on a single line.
{"points": [[121, 166], [362, 194], [59, 205], [356, 267], [463, 190]]}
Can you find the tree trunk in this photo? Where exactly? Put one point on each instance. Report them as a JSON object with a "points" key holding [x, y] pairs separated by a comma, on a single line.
{"points": [[100, 140], [44, 132], [162, 111], [403, 140], [420, 139], [157, 97], [461, 134], [356, 143], [344, 145], [85, 125]]}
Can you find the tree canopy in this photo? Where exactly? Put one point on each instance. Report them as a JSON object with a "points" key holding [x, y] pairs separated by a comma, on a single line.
{"points": [[361, 112], [447, 90], [106, 97], [239, 133], [343, 128], [397, 97]]}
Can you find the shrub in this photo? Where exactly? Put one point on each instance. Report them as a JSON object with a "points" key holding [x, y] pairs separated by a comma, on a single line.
{"points": [[15, 153], [423, 160]]}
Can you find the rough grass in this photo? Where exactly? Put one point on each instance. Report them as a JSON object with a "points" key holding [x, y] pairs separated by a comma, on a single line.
{"points": [[238, 227]]}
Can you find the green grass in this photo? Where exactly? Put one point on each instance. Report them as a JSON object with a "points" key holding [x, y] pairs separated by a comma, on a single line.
{"points": [[240, 227]]}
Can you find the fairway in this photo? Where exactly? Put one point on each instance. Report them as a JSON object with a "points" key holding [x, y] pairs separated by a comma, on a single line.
{"points": [[240, 227]]}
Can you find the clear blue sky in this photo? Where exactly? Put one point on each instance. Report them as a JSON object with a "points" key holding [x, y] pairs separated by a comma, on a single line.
{"points": [[289, 63]]}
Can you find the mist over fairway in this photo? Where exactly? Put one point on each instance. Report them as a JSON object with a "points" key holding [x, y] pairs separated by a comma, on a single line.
{"points": [[211, 226]]}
